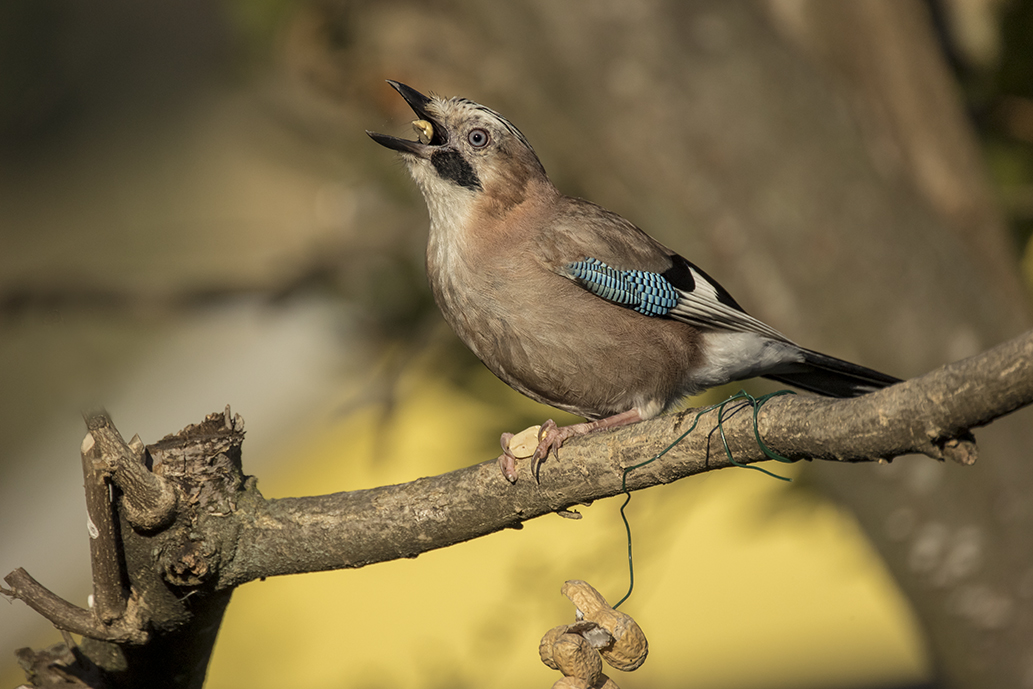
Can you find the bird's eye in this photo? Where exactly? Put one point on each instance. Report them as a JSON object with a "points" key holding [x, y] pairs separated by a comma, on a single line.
{"points": [[478, 138]]}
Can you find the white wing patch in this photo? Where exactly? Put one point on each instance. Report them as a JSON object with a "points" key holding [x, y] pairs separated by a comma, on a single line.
{"points": [[702, 307]]}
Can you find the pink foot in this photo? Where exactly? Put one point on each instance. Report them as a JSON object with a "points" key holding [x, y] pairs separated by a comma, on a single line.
{"points": [[507, 461], [551, 437]]}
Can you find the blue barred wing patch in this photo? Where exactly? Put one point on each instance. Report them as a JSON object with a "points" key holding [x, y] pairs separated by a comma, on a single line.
{"points": [[648, 293]]}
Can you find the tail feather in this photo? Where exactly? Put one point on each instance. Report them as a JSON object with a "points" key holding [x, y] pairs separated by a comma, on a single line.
{"points": [[827, 375]]}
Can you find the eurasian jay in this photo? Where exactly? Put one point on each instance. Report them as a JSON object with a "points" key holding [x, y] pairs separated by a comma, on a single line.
{"points": [[573, 305]]}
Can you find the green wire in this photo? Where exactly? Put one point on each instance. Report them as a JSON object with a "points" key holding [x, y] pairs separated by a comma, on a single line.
{"points": [[750, 400]]}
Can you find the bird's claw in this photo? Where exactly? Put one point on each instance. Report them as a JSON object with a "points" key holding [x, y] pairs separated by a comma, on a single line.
{"points": [[507, 460], [550, 438]]}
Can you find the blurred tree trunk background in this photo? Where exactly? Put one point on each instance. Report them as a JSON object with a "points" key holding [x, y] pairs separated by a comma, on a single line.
{"points": [[169, 159]]}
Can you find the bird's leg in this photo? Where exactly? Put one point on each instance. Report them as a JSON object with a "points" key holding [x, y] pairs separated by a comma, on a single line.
{"points": [[551, 437]]}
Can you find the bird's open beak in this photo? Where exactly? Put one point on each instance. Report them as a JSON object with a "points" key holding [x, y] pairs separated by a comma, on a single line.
{"points": [[431, 132]]}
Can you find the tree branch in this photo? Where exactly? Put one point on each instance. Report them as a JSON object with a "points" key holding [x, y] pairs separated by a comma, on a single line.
{"points": [[165, 549], [70, 617], [148, 499], [106, 557], [929, 415]]}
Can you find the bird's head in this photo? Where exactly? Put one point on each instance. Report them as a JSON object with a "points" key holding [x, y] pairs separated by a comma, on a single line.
{"points": [[465, 156]]}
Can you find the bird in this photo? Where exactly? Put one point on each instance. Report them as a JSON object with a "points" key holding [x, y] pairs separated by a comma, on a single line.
{"points": [[571, 304]]}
